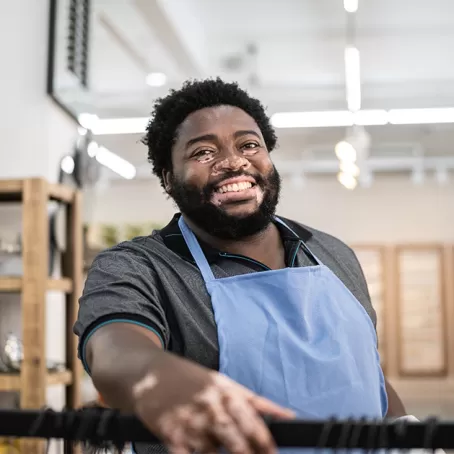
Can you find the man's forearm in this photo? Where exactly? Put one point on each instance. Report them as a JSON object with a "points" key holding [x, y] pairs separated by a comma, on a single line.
{"points": [[119, 357]]}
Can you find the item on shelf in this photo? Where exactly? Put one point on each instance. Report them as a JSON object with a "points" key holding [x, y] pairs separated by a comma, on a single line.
{"points": [[102, 236], [14, 354], [110, 235], [133, 231], [10, 257], [7, 247]]}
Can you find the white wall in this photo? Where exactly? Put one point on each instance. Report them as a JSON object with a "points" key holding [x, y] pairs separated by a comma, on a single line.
{"points": [[392, 210], [34, 136]]}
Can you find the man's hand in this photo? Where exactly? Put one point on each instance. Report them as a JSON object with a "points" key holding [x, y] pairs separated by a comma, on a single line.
{"points": [[187, 406], [197, 410]]}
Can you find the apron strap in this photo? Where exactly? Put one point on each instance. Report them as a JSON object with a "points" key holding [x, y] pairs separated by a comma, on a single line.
{"points": [[196, 251], [308, 252]]}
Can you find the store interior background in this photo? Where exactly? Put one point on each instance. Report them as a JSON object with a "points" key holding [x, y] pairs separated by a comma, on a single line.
{"points": [[291, 55]]}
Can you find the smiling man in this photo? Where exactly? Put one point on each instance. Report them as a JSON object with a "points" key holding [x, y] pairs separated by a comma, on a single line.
{"points": [[230, 312]]}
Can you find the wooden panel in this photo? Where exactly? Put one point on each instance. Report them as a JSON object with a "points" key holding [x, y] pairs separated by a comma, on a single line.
{"points": [[391, 313], [371, 258], [10, 284], [14, 284], [12, 382], [74, 264], [421, 305], [11, 190], [61, 285], [60, 193], [60, 378], [35, 236], [449, 298]]}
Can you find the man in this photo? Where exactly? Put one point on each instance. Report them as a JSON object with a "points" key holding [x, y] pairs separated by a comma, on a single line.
{"points": [[230, 312]]}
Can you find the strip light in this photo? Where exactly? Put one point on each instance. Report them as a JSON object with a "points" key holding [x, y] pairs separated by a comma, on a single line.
{"points": [[351, 6], [312, 119], [115, 163], [353, 78], [316, 119], [111, 126], [420, 116], [363, 118]]}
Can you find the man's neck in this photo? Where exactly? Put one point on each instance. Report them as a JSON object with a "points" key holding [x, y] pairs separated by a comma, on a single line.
{"points": [[266, 246]]}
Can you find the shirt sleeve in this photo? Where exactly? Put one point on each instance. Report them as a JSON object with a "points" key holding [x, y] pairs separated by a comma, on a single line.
{"points": [[121, 286]]}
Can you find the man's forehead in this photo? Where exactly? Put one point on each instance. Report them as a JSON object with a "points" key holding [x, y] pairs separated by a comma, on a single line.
{"points": [[210, 119]]}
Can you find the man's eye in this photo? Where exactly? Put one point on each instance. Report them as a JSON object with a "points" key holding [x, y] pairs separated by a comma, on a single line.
{"points": [[203, 154], [250, 145]]}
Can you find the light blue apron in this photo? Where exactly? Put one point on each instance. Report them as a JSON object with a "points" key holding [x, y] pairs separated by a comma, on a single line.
{"points": [[296, 336]]}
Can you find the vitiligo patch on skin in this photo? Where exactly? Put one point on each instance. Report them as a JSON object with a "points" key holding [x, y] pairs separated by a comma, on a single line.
{"points": [[146, 384], [230, 163]]}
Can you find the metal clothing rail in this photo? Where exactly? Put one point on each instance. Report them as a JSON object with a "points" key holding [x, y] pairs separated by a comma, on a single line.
{"points": [[99, 427]]}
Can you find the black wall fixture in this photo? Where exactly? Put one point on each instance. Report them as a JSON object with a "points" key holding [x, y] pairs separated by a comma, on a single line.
{"points": [[68, 79]]}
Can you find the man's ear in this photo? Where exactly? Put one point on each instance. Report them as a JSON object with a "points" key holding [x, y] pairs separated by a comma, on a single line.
{"points": [[166, 177]]}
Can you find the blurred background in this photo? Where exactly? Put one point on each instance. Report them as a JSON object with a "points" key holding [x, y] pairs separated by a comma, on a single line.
{"points": [[361, 94]]}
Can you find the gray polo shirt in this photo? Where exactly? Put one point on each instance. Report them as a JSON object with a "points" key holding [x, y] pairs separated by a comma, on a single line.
{"points": [[153, 281]]}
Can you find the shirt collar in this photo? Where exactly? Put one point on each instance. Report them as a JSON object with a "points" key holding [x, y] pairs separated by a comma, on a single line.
{"points": [[173, 239]]}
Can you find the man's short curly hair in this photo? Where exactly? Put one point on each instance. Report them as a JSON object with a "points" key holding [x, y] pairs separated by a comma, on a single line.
{"points": [[170, 112]]}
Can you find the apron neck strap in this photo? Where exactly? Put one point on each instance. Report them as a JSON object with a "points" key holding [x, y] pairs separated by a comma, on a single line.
{"points": [[196, 251], [304, 246]]}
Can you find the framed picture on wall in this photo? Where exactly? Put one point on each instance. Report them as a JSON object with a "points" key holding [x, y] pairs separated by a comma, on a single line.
{"points": [[372, 260], [421, 311]]}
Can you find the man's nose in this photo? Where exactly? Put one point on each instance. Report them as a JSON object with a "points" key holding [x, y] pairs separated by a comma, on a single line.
{"points": [[232, 162]]}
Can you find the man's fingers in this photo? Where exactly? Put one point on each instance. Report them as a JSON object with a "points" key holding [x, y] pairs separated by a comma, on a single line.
{"points": [[266, 407], [252, 425], [229, 435]]}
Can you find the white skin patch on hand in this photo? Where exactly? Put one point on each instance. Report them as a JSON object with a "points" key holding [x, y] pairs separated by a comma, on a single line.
{"points": [[146, 384]]}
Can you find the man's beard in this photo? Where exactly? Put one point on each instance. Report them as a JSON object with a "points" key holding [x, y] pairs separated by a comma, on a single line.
{"points": [[195, 204]]}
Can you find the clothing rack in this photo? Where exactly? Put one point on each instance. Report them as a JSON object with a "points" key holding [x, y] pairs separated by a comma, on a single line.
{"points": [[97, 426]]}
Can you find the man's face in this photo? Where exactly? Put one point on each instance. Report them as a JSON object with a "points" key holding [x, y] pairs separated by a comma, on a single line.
{"points": [[223, 178]]}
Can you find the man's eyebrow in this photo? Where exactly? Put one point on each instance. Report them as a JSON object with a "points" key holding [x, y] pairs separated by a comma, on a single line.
{"points": [[246, 132], [204, 138]]}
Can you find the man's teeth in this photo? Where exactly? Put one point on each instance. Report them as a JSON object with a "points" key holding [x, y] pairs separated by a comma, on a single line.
{"points": [[235, 187]]}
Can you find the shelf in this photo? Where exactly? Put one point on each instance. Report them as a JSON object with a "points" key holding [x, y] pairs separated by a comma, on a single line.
{"points": [[14, 284], [12, 382], [11, 191], [60, 193]]}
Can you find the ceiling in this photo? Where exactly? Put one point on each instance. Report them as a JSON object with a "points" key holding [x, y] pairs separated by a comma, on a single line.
{"points": [[289, 53]]}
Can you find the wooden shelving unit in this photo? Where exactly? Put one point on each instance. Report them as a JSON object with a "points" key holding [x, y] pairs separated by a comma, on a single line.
{"points": [[34, 195]]}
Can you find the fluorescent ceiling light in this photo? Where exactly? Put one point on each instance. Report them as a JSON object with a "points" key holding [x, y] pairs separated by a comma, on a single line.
{"points": [[353, 78], [156, 79], [87, 120], [92, 149], [349, 181], [322, 119], [115, 163], [121, 126], [370, 117], [421, 116], [351, 6], [312, 119], [349, 167], [345, 151], [67, 164]]}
